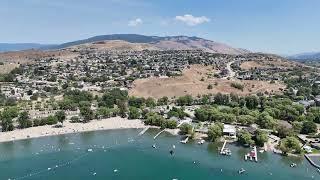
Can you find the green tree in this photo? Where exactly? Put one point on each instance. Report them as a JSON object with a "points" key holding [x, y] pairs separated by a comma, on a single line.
{"points": [[245, 138], [261, 138], [290, 145], [24, 120], [150, 102], [185, 100], [61, 116], [136, 102], [122, 105], [266, 121], [177, 112], [7, 124], [221, 99], [252, 102], [111, 97], [284, 131], [215, 131], [134, 113], [163, 101], [171, 124], [309, 127], [50, 120], [245, 119], [186, 128], [86, 113], [104, 112]]}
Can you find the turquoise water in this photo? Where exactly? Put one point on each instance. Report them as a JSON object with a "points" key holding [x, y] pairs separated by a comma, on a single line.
{"points": [[67, 158]]}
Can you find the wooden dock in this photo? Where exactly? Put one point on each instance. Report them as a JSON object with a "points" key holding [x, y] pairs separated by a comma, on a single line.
{"points": [[255, 154], [144, 130], [158, 134], [223, 146]]}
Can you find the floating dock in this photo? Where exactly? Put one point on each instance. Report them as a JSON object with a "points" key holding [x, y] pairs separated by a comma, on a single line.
{"points": [[252, 155], [158, 134]]}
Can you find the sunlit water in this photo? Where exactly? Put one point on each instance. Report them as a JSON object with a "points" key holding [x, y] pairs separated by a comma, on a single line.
{"points": [[121, 154]]}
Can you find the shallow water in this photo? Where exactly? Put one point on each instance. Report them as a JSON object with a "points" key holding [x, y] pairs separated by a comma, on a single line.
{"points": [[120, 154]]}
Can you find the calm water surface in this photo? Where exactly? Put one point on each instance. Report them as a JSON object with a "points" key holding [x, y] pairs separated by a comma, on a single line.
{"points": [[121, 155]]}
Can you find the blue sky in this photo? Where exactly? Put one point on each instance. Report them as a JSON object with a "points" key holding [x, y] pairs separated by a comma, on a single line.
{"points": [[276, 26]]}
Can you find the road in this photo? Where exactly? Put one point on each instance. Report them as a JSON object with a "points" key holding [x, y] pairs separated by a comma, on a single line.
{"points": [[231, 74]]}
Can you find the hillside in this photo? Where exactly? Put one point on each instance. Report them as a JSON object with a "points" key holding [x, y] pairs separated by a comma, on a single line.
{"points": [[306, 56], [160, 43]]}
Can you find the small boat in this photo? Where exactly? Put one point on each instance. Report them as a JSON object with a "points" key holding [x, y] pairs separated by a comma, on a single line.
{"points": [[201, 141], [241, 171], [154, 146], [90, 150], [171, 152], [293, 165], [226, 152], [318, 170]]}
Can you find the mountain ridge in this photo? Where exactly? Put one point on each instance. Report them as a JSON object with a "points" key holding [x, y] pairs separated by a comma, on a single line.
{"points": [[156, 42], [306, 56], [161, 43]]}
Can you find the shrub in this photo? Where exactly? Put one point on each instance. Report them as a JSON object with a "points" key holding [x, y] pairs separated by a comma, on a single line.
{"points": [[237, 86]]}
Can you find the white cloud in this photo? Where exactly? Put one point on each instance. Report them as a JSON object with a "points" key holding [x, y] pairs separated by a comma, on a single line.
{"points": [[191, 20], [135, 22]]}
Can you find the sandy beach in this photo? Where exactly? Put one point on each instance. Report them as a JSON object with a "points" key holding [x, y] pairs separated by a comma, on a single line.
{"points": [[94, 125]]}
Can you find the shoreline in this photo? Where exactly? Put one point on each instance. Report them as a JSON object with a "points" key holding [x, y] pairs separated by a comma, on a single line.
{"points": [[69, 128]]}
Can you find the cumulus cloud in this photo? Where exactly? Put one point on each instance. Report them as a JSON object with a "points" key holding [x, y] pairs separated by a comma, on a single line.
{"points": [[135, 22], [191, 20]]}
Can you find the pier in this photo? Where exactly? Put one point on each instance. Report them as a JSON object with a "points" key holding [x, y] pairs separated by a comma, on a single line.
{"points": [[223, 146], [311, 161], [158, 134], [144, 130], [224, 150], [255, 154], [185, 140], [252, 155]]}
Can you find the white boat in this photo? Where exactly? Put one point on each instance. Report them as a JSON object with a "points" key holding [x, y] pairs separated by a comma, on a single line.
{"points": [[241, 171], [90, 150], [226, 152], [201, 141], [293, 165]]}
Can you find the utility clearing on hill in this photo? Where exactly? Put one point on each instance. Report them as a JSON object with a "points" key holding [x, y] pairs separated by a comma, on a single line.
{"points": [[195, 81]]}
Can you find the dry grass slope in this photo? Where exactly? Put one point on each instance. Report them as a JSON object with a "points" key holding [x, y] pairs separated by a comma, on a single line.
{"points": [[190, 83]]}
